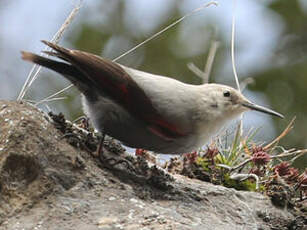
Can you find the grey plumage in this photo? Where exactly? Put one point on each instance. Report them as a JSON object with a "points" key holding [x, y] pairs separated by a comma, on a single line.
{"points": [[144, 110]]}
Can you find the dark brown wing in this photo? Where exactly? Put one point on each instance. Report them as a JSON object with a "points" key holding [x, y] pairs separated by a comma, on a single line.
{"points": [[112, 80]]}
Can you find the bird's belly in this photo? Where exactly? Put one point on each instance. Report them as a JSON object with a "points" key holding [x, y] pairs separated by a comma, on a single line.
{"points": [[113, 120]]}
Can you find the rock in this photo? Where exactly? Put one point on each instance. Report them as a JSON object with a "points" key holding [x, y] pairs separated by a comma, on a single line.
{"points": [[46, 183]]}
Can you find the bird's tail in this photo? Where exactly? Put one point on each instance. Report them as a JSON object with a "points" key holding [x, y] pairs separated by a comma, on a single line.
{"points": [[70, 72]]}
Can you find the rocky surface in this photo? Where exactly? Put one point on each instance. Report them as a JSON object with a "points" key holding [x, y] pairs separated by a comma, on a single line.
{"points": [[51, 180]]}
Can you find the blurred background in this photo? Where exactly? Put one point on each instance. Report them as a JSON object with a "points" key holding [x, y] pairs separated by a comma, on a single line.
{"points": [[271, 48]]}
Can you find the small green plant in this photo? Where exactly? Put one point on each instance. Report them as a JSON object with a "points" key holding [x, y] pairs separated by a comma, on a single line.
{"points": [[246, 165]]}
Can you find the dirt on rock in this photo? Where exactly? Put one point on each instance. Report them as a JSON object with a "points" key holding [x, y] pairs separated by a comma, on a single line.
{"points": [[51, 178]]}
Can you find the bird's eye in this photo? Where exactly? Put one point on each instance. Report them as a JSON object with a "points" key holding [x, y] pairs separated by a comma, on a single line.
{"points": [[226, 94]]}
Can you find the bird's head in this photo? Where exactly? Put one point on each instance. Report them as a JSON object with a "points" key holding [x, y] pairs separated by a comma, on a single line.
{"points": [[227, 101]]}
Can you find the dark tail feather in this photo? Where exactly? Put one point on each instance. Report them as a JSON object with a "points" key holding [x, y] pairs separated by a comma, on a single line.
{"points": [[55, 47], [61, 52], [55, 54], [60, 67], [70, 72]]}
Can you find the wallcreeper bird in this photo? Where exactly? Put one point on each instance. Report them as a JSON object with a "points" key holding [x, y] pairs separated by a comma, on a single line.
{"points": [[144, 110]]}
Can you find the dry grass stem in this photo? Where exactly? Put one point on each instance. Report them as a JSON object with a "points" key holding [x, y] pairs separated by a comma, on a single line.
{"points": [[55, 94], [284, 133], [208, 67], [168, 27], [233, 27], [35, 69], [290, 153], [204, 75], [243, 176], [242, 164], [52, 99], [246, 82], [195, 70]]}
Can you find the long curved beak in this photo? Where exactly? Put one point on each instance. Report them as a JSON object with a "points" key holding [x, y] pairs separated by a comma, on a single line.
{"points": [[259, 108]]}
